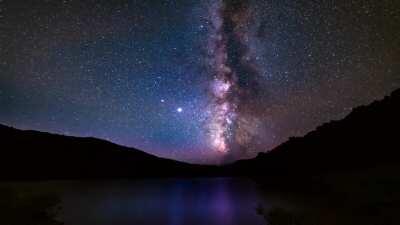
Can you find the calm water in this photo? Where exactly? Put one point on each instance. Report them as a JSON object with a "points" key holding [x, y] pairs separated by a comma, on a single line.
{"points": [[208, 201], [221, 201]]}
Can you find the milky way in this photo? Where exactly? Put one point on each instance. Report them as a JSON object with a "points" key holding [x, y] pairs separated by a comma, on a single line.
{"points": [[199, 81], [233, 124]]}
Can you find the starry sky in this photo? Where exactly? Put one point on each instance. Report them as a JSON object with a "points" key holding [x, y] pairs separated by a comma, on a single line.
{"points": [[200, 81]]}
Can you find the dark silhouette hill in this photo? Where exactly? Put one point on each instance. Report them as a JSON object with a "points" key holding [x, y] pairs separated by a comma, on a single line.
{"points": [[350, 167], [39, 155], [367, 138]]}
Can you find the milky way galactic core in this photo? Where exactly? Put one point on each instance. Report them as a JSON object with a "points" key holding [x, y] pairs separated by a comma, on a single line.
{"points": [[234, 87]]}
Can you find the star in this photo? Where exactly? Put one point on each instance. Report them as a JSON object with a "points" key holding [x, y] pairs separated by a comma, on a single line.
{"points": [[233, 79]]}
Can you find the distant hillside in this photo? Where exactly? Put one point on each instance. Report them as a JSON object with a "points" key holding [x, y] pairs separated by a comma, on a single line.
{"points": [[33, 154], [368, 137]]}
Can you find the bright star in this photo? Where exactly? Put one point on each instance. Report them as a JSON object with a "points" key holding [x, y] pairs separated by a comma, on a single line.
{"points": [[179, 110]]}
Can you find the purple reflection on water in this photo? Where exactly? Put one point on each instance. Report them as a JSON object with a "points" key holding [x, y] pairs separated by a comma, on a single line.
{"points": [[208, 201], [222, 205]]}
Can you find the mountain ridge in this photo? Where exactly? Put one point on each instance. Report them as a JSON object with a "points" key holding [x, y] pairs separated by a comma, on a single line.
{"points": [[366, 137], [41, 155]]}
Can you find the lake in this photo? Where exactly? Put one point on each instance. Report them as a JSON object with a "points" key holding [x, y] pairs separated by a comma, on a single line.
{"points": [[192, 201], [221, 201], [200, 201]]}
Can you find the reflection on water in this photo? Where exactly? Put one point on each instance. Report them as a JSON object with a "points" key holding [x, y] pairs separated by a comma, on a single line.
{"points": [[208, 201], [219, 201]]}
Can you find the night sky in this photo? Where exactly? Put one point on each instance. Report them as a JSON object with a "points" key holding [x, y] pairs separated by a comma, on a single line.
{"points": [[201, 81]]}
